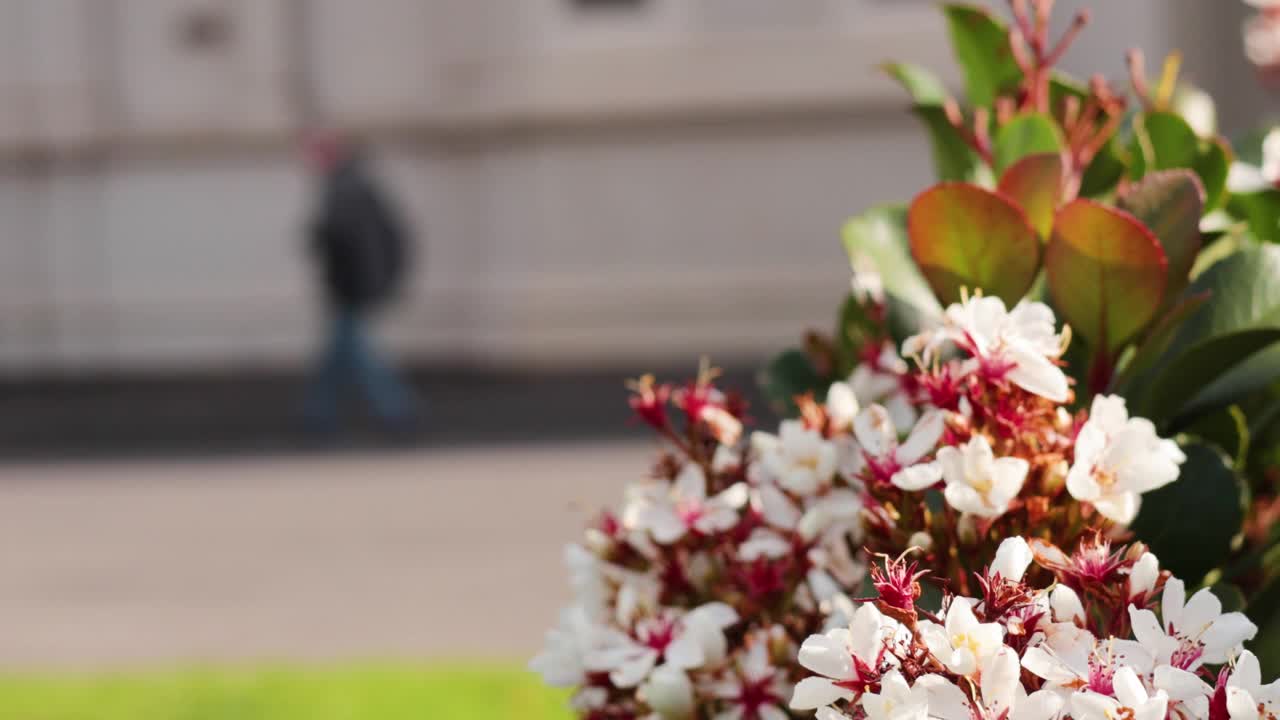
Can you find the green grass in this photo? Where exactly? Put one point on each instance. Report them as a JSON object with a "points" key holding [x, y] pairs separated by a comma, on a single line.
{"points": [[370, 692]]}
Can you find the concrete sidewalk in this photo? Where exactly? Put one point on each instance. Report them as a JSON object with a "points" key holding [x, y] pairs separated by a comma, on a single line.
{"points": [[442, 554]]}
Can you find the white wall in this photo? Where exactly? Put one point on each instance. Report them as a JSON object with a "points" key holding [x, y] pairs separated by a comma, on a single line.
{"points": [[588, 191]]}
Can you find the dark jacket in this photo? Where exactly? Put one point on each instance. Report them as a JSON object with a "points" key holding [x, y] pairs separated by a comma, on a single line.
{"points": [[358, 238]]}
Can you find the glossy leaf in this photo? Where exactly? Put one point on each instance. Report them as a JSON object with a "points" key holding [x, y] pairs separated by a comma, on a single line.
{"points": [[1036, 183], [1157, 340], [1240, 320], [963, 236], [1165, 141], [924, 87], [1104, 172], [787, 376], [1170, 204], [981, 45], [1261, 210], [1190, 523], [1024, 135], [952, 157], [880, 236], [1250, 374], [1213, 165], [1106, 273]]}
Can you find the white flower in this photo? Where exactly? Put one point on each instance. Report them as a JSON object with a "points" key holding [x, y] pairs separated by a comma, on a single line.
{"points": [[978, 482], [1192, 634], [1071, 658], [1019, 345], [1013, 557], [1247, 697], [843, 656], [842, 405], [1143, 576], [897, 701], [684, 642], [1117, 458], [763, 543], [1001, 694], [880, 382], [964, 643], [1131, 701], [799, 459], [669, 511], [563, 660], [889, 461], [1066, 605], [669, 693], [1184, 688], [757, 690]]}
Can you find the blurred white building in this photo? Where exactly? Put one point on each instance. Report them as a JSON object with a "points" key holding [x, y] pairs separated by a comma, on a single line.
{"points": [[593, 180]]}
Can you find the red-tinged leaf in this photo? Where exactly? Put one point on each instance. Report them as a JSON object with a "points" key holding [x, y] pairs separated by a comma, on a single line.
{"points": [[1036, 183], [963, 236], [1170, 203], [1106, 272]]}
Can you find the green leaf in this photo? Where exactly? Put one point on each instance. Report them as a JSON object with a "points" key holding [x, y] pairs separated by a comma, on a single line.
{"points": [[1170, 203], [1106, 273], [1028, 134], [1242, 318], [1249, 376], [1104, 172], [1261, 210], [963, 236], [953, 159], [1164, 141], [1191, 522], [880, 236], [981, 45], [1035, 183], [1157, 340], [787, 376], [924, 86], [1213, 165]]}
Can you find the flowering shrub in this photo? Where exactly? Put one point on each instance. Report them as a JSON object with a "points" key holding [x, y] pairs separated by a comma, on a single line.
{"points": [[960, 517]]}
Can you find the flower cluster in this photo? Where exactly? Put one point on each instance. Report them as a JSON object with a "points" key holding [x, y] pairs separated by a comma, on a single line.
{"points": [[693, 600], [1076, 636]]}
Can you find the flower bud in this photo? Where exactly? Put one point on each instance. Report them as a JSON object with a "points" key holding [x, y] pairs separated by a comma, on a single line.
{"points": [[1143, 576], [1012, 559], [842, 406], [922, 540], [669, 693], [1066, 605]]}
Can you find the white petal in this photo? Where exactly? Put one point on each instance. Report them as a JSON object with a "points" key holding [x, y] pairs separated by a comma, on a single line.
{"points": [[1128, 688], [1121, 508], [812, 693], [1240, 704], [874, 430], [691, 483], [923, 438], [828, 655], [1013, 557], [1037, 375], [917, 477], [1225, 638], [1066, 605]]}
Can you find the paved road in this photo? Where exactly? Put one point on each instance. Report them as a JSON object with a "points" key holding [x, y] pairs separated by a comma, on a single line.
{"points": [[446, 554]]}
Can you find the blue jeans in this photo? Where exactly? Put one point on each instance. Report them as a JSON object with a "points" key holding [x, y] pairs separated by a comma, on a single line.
{"points": [[350, 357]]}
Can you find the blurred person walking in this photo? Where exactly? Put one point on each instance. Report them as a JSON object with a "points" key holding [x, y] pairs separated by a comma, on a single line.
{"points": [[361, 247]]}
